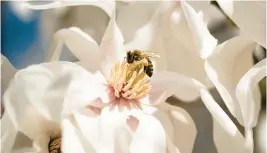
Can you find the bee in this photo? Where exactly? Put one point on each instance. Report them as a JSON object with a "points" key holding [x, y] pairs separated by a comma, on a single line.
{"points": [[142, 57]]}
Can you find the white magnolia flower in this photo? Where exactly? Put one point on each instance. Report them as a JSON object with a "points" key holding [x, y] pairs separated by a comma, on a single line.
{"points": [[230, 69], [220, 118], [121, 119], [249, 16], [230, 65], [175, 30]]}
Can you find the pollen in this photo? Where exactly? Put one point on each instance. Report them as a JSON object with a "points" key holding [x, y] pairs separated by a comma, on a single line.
{"points": [[129, 81], [54, 145]]}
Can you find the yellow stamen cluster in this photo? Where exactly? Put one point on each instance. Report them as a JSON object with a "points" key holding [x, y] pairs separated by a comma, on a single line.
{"points": [[129, 80], [54, 145]]}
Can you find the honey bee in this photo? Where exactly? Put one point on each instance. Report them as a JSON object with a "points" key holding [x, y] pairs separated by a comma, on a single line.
{"points": [[138, 56]]}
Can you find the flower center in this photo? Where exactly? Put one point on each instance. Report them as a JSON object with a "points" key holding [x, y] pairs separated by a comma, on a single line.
{"points": [[54, 145], [129, 80]]}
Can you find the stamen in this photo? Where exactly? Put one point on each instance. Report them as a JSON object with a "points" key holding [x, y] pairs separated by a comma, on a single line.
{"points": [[129, 81], [54, 145]]}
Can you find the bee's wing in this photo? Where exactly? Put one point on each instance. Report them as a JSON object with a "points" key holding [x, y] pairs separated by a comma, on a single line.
{"points": [[151, 54]]}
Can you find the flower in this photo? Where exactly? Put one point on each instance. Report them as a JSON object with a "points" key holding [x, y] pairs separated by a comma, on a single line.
{"points": [[66, 95], [230, 69], [33, 105], [175, 30], [92, 108]]}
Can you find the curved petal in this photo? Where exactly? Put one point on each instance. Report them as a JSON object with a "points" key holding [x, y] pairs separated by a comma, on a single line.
{"points": [[88, 123], [173, 83], [114, 119], [80, 44], [250, 108], [216, 111], [138, 27], [184, 129], [28, 121], [72, 139], [8, 133], [228, 63], [101, 131], [188, 40], [204, 41], [250, 17], [112, 44], [225, 130], [228, 141], [149, 136], [163, 116], [107, 6], [51, 88]]}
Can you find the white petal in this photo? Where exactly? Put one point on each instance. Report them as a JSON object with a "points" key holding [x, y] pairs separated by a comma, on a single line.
{"points": [[106, 130], [72, 140], [8, 133], [8, 71], [184, 129], [181, 86], [24, 116], [163, 116], [107, 6], [80, 44], [179, 55], [28, 121], [184, 42], [228, 141], [149, 136], [204, 41], [228, 63], [112, 44], [114, 119], [49, 88], [88, 123], [138, 27], [227, 137], [244, 92], [217, 113], [250, 17]]}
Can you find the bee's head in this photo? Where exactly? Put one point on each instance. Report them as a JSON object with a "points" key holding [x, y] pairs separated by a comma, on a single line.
{"points": [[130, 57]]}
